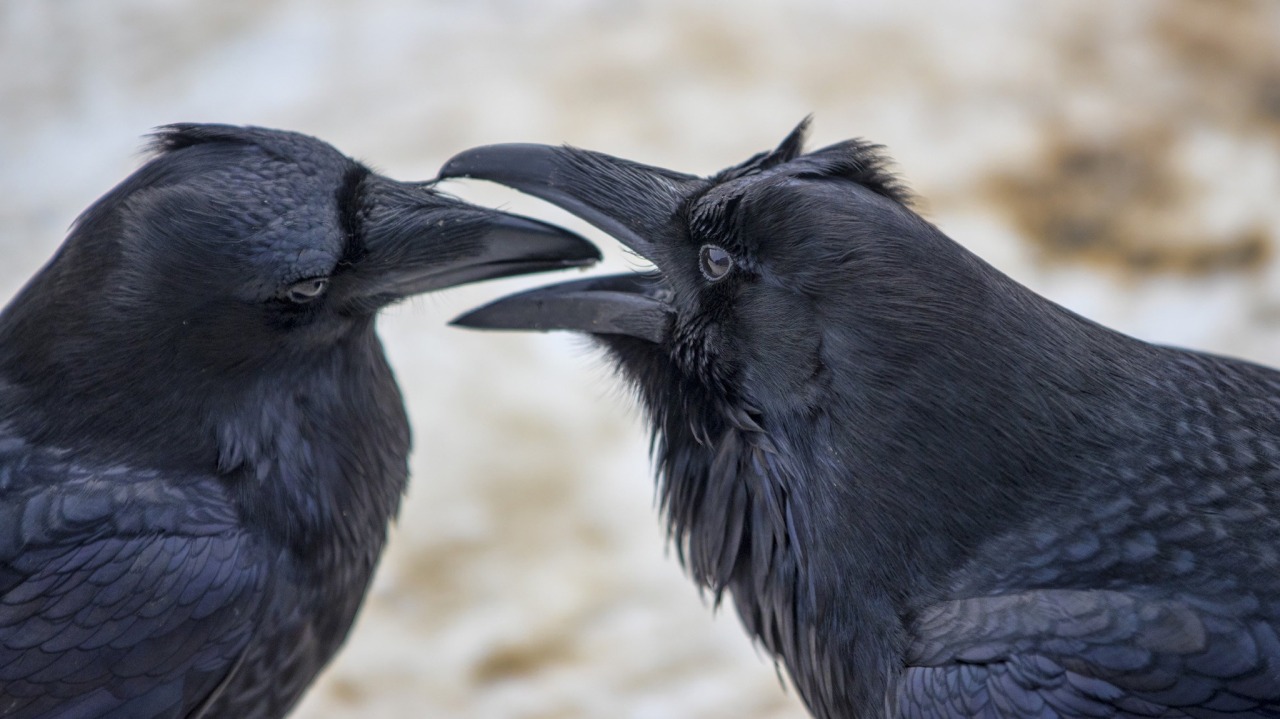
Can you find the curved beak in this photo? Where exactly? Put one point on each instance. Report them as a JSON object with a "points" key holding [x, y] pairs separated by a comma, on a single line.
{"points": [[626, 304], [632, 202], [416, 240], [639, 205]]}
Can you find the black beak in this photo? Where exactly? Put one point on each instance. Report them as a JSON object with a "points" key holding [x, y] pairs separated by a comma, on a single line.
{"points": [[414, 240], [639, 205], [627, 304]]}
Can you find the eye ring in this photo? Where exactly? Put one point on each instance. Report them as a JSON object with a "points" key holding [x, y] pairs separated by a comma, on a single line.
{"points": [[305, 291], [715, 262]]}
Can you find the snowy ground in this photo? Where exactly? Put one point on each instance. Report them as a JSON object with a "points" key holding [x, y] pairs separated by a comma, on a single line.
{"points": [[1119, 158]]}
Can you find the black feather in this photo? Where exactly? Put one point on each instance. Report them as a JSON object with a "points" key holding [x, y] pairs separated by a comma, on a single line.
{"points": [[929, 491], [197, 472]]}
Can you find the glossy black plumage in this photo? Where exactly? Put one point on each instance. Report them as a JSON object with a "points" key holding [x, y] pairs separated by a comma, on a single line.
{"points": [[201, 442], [928, 491]]}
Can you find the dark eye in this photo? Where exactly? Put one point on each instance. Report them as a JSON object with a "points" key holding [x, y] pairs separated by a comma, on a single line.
{"points": [[307, 290], [714, 262]]}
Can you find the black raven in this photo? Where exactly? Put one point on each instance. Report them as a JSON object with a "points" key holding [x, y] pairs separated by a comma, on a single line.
{"points": [[929, 491], [201, 442]]}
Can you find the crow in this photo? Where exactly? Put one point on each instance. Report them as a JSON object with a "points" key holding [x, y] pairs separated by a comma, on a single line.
{"points": [[928, 491], [201, 441]]}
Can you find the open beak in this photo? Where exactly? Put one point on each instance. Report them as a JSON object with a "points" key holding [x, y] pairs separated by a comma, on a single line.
{"points": [[417, 240], [639, 205]]}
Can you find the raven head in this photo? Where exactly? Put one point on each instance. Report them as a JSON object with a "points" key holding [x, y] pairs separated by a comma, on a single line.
{"points": [[240, 242], [784, 284], [238, 258], [844, 400]]}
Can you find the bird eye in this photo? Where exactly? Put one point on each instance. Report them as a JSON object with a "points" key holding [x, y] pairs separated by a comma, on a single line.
{"points": [[305, 291], [714, 262]]}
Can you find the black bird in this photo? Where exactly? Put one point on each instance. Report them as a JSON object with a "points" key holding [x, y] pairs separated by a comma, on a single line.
{"points": [[201, 442], [929, 491]]}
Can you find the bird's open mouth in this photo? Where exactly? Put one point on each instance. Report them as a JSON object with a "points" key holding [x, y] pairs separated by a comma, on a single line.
{"points": [[632, 202]]}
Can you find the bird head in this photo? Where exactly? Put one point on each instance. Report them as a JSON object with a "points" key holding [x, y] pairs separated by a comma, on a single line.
{"points": [[240, 243], [776, 278], [805, 325], [241, 256]]}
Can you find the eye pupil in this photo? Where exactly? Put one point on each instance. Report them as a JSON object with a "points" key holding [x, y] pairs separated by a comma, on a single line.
{"points": [[307, 290], [715, 262]]}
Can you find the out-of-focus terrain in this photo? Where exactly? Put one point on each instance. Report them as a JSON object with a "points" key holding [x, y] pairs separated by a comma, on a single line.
{"points": [[1120, 158]]}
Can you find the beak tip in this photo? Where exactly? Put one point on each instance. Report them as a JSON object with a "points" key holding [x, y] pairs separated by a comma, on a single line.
{"points": [[456, 166], [590, 255], [492, 316], [486, 317], [502, 163]]}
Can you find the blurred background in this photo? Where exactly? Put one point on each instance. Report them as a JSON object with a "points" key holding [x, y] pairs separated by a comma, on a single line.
{"points": [[1119, 158]]}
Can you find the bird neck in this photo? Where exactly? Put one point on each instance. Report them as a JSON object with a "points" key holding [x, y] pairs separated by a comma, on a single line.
{"points": [[313, 447], [748, 517], [320, 462], [829, 523]]}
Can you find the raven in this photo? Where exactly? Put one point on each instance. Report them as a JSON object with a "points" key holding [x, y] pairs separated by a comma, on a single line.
{"points": [[929, 491], [201, 441]]}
